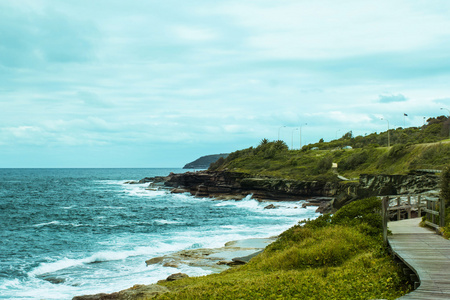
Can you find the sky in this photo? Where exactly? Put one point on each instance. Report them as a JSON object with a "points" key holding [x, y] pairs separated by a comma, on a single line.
{"points": [[135, 83]]}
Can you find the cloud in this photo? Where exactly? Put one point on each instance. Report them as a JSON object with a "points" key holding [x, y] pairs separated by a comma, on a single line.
{"points": [[34, 38], [194, 34], [391, 98], [217, 76], [324, 29]]}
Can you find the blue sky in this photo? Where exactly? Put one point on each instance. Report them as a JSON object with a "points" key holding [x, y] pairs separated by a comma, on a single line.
{"points": [[159, 83]]}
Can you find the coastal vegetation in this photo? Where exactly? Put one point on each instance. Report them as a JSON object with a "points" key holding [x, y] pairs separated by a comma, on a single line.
{"points": [[427, 147], [336, 256], [445, 196]]}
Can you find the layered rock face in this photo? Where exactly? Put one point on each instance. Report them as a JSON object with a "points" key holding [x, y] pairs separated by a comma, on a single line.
{"points": [[225, 184], [239, 185], [397, 184]]}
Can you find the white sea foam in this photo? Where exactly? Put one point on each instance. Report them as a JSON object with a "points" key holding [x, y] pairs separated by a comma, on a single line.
{"points": [[47, 223], [51, 267], [168, 222], [68, 207]]}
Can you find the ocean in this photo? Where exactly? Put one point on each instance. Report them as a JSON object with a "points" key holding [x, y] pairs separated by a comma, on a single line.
{"points": [[70, 232]]}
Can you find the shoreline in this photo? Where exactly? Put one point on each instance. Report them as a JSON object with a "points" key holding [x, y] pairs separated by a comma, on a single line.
{"points": [[216, 260]]}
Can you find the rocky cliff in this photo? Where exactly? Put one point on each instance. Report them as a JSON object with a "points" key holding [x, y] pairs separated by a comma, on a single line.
{"points": [[225, 184]]}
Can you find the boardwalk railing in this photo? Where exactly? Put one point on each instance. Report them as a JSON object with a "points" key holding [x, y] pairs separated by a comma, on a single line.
{"points": [[435, 213], [431, 208]]}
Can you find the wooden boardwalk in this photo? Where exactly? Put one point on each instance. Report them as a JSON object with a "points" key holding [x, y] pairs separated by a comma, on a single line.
{"points": [[424, 252]]}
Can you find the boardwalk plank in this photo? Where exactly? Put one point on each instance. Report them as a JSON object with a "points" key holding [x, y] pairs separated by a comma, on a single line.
{"points": [[427, 254]]}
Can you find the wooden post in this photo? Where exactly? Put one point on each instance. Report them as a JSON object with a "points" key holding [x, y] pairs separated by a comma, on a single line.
{"points": [[384, 209], [431, 207], [419, 206], [398, 210], [409, 207], [441, 212]]}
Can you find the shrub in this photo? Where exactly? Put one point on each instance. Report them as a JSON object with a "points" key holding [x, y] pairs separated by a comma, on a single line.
{"points": [[324, 164], [329, 246], [365, 213], [353, 161]]}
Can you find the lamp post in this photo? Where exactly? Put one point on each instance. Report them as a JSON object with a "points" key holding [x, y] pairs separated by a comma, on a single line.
{"points": [[337, 132], [292, 140], [389, 137], [443, 108], [279, 131], [301, 135]]}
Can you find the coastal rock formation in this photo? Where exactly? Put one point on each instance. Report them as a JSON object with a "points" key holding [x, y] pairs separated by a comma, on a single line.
{"points": [[138, 291], [217, 259], [333, 195], [397, 184]]}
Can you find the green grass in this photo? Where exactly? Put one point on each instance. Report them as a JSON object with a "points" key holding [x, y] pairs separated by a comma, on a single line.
{"points": [[427, 147], [332, 257], [316, 164]]}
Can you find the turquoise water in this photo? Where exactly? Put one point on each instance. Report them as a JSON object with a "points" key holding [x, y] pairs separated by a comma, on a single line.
{"points": [[68, 232]]}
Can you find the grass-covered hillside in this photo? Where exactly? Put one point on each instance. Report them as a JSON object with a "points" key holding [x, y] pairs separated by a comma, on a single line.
{"points": [[332, 257], [411, 149]]}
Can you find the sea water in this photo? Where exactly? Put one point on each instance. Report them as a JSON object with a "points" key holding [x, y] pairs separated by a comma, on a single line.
{"points": [[69, 232]]}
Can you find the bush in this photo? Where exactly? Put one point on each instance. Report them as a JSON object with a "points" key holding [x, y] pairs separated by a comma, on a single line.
{"points": [[353, 161], [324, 164], [329, 246], [365, 213]]}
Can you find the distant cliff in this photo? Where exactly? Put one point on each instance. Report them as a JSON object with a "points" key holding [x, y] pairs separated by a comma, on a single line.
{"points": [[204, 161]]}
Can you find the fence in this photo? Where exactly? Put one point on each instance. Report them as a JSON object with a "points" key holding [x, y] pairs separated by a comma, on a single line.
{"points": [[431, 207]]}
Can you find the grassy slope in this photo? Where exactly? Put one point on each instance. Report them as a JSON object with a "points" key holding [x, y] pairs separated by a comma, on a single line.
{"points": [[316, 164], [336, 257], [427, 147]]}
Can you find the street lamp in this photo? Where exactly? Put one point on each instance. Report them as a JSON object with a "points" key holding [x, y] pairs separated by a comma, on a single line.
{"points": [[337, 132], [389, 137], [301, 135], [279, 131], [292, 140]]}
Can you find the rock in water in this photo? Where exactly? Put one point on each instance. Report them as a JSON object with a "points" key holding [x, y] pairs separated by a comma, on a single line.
{"points": [[155, 260], [270, 206]]}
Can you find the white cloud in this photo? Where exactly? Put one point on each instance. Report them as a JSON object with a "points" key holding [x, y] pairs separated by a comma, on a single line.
{"points": [[194, 34]]}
